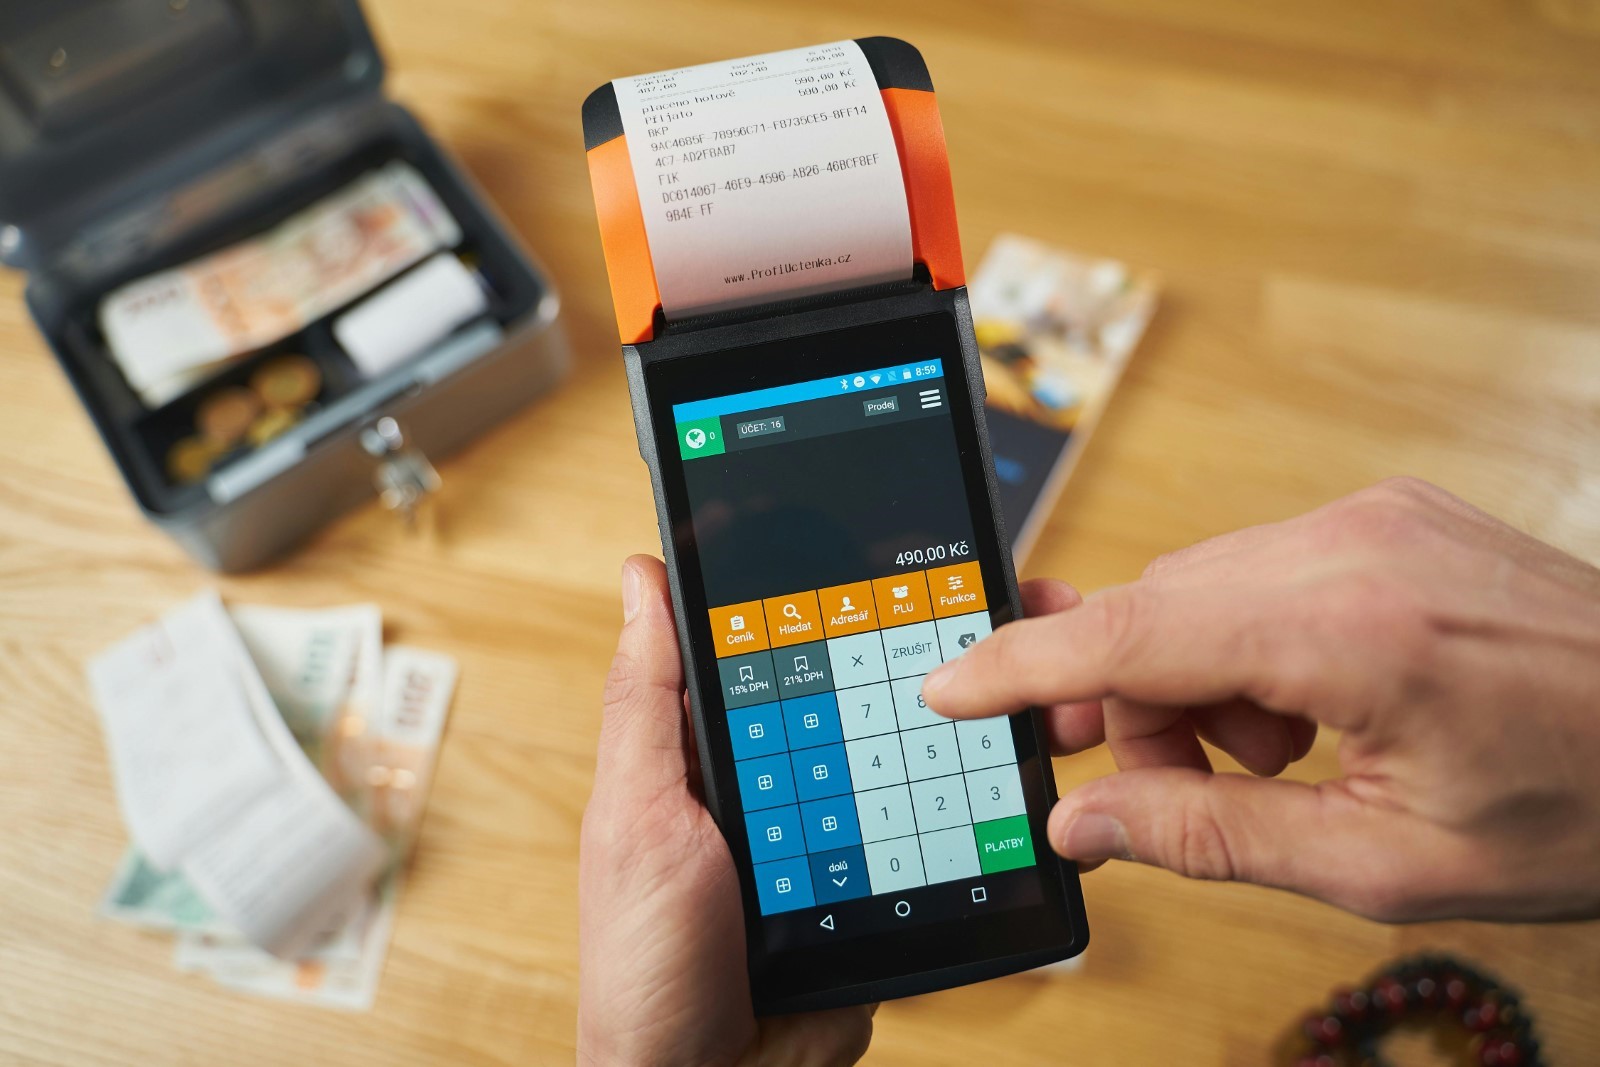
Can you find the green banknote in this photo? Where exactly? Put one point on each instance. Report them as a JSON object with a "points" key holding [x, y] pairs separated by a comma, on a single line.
{"points": [[142, 895]]}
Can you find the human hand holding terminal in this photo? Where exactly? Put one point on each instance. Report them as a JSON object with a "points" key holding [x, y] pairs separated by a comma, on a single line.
{"points": [[661, 932], [1459, 659]]}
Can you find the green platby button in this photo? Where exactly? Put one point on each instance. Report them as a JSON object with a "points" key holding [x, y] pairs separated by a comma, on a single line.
{"points": [[1004, 844], [702, 437]]}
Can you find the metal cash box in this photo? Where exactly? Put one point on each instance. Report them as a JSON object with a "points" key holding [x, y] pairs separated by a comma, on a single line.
{"points": [[138, 135]]}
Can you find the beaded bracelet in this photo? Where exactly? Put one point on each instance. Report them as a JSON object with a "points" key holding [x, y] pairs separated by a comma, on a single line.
{"points": [[1427, 990]]}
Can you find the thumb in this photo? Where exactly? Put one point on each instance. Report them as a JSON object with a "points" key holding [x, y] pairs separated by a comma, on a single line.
{"points": [[838, 1036], [644, 733], [1318, 840]]}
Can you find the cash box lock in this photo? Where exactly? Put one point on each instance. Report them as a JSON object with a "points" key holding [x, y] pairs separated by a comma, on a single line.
{"points": [[404, 477]]}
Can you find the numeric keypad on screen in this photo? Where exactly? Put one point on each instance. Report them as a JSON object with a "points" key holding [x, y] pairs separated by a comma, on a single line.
{"points": [[850, 783]]}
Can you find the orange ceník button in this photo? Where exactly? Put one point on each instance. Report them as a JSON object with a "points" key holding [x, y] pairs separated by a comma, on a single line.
{"points": [[956, 590], [738, 628], [848, 609], [794, 619], [902, 599]]}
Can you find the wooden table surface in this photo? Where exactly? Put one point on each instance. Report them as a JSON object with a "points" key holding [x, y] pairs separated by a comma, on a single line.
{"points": [[1380, 232]]}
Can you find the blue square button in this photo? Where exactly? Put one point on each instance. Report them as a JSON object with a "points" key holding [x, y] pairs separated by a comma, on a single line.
{"points": [[765, 782], [812, 721], [820, 772], [774, 834], [839, 875], [757, 731], [783, 885], [830, 823]]}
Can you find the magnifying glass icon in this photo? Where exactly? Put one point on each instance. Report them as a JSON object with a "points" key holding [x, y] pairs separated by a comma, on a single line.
{"points": [[791, 612]]}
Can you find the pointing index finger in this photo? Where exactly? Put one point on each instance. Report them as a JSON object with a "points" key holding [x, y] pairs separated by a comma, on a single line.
{"points": [[1143, 642]]}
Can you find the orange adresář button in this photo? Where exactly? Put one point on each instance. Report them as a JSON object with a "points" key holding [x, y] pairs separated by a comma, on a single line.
{"points": [[738, 628], [902, 599], [848, 609], [956, 590], [793, 619]]}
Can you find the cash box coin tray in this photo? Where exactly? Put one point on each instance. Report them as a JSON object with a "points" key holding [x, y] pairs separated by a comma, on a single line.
{"points": [[138, 136]]}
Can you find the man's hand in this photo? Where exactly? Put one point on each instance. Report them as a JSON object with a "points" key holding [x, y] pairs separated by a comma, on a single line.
{"points": [[661, 929], [1459, 659]]}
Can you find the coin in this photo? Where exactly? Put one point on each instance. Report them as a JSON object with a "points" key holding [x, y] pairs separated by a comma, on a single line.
{"points": [[270, 424], [287, 382], [191, 458], [224, 416]]}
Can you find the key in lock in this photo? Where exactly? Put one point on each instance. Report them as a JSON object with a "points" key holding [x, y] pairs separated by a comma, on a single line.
{"points": [[404, 478]]}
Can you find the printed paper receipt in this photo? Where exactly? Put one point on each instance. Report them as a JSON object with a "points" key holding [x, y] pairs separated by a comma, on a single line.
{"points": [[766, 178]]}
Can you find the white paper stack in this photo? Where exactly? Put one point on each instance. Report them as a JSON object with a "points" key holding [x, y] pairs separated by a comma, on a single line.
{"points": [[271, 766]]}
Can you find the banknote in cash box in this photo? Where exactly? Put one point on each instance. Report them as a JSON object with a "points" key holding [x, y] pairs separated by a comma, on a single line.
{"points": [[275, 294]]}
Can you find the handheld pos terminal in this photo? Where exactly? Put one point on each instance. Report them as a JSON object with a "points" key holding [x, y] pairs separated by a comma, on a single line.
{"points": [[780, 234]]}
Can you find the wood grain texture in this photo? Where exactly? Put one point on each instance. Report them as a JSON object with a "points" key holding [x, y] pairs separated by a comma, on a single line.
{"points": [[1381, 239]]}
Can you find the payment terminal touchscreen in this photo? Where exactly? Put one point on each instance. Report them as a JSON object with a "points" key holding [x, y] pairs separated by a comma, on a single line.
{"points": [[832, 538]]}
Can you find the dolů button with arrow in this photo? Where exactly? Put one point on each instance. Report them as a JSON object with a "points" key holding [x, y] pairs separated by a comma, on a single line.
{"points": [[838, 874]]}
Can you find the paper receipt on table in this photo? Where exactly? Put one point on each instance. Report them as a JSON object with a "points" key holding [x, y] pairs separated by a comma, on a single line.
{"points": [[766, 178]]}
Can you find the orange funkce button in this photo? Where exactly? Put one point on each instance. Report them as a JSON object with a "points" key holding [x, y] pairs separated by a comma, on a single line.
{"points": [[848, 609], [738, 628], [956, 590], [794, 619], [902, 599]]}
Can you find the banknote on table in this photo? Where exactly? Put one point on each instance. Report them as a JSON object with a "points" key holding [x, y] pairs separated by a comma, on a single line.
{"points": [[296, 692], [213, 785], [296, 862], [345, 980], [323, 669], [218, 947], [169, 330], [417, 687], [343, 971], [140, 894]]}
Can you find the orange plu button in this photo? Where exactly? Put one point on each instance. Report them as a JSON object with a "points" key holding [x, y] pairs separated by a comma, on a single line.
{"points": [[793, 619], [848, 609], [902, 599], [738, 628], [956, 590]]}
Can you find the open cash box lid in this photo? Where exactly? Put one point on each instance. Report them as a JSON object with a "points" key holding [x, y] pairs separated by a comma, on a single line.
{"points": [[108, 106]]}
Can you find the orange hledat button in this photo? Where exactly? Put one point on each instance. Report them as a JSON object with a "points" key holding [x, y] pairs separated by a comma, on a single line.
{"points": [[956, 590], [902, 599], [738, 628], [794, 619], [848, 609]]}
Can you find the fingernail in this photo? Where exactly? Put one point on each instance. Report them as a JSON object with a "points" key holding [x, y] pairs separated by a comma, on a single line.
{"points": [[940, 677], [1091, 836], [631, 591]]}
